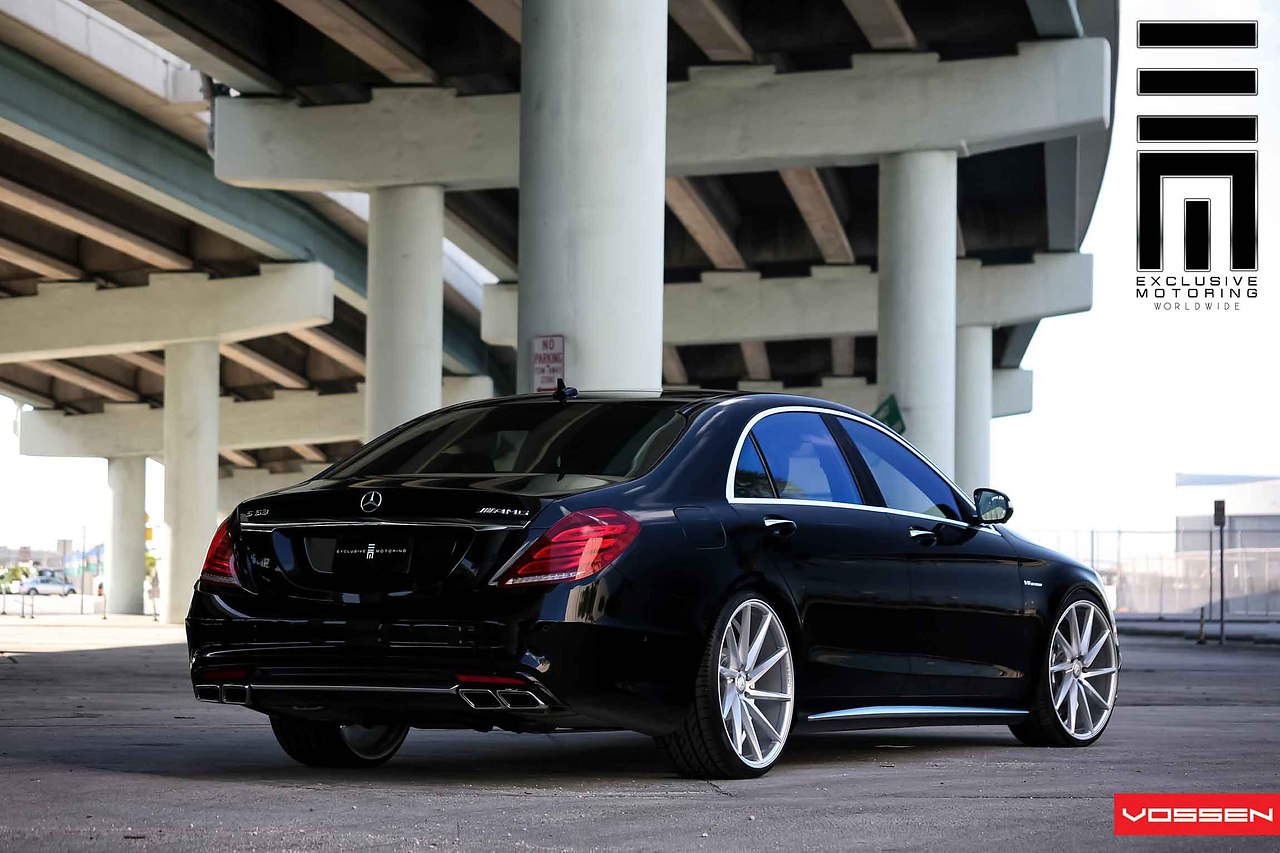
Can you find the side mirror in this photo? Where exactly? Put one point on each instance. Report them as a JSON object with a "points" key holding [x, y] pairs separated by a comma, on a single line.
{"points": [[993, 507]]}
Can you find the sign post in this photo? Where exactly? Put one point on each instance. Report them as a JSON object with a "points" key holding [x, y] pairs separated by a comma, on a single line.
{"points": [[548, 362], [1220, 522]]}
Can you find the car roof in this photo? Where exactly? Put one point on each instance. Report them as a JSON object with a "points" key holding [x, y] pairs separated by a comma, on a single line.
{"points": [[695, 398]]}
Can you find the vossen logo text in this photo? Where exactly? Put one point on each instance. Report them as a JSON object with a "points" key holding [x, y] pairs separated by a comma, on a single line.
{"points": [[1196, 814]]}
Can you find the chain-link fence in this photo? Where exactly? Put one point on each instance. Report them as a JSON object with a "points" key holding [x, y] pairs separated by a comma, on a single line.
{"points": [[1168, 572]]}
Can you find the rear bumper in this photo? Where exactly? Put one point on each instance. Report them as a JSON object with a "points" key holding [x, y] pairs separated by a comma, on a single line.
{"points": [[525, 675]]}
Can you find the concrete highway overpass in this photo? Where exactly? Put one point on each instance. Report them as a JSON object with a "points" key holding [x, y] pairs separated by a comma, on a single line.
{"points": [[241, 237]]}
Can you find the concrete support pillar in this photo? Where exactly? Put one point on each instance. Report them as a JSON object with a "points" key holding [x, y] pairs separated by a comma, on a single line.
{"points": [[592, 164], [916, 353], [405, 332], [973, 406], [190, 468], [127, 546]]}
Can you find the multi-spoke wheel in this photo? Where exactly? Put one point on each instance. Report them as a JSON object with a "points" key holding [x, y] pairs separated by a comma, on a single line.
{"points": [[322, 744], [746, 691], [1077, 690]]}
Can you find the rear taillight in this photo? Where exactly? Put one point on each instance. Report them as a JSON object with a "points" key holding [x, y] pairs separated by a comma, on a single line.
{"points": [[577, 546], [220, 562]]}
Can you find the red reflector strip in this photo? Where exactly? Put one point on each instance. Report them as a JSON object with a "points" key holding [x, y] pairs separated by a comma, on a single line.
{"points": [[1197, 814], [491, 679], [222, 674]]}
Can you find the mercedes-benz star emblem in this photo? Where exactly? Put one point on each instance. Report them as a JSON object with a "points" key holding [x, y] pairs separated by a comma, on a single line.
{"points": [[370, 501]]}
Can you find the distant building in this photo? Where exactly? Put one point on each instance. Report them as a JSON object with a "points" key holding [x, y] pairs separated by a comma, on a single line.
{"points": [[1253, 509]]}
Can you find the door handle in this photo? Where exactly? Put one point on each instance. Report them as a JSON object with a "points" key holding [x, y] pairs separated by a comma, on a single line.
{"points": [[780, 527], [924, 538]]}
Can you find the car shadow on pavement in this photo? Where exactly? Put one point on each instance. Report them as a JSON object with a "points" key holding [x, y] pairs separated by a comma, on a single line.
{"points": [[130, 710]]}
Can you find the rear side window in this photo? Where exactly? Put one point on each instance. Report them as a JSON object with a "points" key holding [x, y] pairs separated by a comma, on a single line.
{"points": [[616, 439], [905, 480], [803, 458], [750, 480]]}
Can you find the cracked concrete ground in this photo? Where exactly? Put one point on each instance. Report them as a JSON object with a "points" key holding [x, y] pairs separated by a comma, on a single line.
{"points": [[103, 748]]}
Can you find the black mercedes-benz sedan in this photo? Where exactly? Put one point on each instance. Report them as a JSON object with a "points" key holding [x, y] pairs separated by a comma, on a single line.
{"points": [[714, 570]]}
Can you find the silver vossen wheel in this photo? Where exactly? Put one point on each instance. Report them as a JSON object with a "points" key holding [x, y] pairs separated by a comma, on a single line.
{"points": [[756, 684], [1083, 669], [374, 743]]}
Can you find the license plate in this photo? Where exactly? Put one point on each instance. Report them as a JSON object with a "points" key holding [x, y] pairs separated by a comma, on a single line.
{"points": [[373, 554]]}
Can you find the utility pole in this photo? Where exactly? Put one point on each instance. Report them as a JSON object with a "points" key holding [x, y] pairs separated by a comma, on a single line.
{"points": [[84, 562], [1220, 521]]}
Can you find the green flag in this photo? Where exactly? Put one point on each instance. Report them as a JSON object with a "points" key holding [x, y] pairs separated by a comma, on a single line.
{"points": [[890, 415]]}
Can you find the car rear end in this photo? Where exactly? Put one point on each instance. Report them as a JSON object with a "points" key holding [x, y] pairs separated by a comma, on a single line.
{"points": [[406, 587]]}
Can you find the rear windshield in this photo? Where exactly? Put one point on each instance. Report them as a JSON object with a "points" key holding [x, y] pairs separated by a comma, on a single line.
{"points": [[616, 440]]}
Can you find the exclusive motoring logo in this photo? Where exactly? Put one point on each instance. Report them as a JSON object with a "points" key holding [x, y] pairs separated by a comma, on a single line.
{"points": [[1229, 171]]}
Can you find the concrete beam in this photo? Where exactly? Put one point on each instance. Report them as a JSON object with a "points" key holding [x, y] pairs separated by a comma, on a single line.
{"points": [[698, 216], [363, 38], [309, 452], [145, 360], [1056, 18], [756, 358], [732, 307], [1008, 294], [238, 458], [811, 197], [46, 266], [721, 120], [243, 484], [843, 359], [41, 206], [504, 13], [289, 418], [1011, 392], [713, 26], [263, 366], [82, 378], [883, 23], [673, 371], [323, 342], [73, 124], [156, 24], [26, 395], [835, 301], [174, 308], [103, 55]]}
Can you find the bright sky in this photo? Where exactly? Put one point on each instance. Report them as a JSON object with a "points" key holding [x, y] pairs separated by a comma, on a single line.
{"points": [[1124, 397]]}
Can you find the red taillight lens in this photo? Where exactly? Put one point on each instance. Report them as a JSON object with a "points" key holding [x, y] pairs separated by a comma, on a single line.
{"points": [[220, 562], [577, 546]]}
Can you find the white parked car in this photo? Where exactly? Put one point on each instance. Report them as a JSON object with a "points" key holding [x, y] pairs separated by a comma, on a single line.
{"points": [[45, 586]]}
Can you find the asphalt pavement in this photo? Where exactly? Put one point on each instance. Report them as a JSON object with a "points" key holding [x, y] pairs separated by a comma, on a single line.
{"points": [[103, 748]]}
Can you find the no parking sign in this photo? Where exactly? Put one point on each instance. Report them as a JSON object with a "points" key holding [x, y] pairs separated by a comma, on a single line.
{"points": [[548, 361]]}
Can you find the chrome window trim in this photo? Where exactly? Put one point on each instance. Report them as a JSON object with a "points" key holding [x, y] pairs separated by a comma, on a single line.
{"points": [[878, 711], [759, 416]]}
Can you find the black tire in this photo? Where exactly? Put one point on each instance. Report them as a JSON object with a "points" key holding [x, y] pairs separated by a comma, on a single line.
{"points": [[321, 744], [1042, 726], [33, 592], [700, 747]]}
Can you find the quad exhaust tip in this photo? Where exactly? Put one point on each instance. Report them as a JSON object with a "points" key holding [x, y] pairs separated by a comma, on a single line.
{"points": [[229, 694], [491, 700]]}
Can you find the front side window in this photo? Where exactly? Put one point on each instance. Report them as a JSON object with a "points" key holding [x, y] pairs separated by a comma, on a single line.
{"points": [[905, 480], [804, 459]]}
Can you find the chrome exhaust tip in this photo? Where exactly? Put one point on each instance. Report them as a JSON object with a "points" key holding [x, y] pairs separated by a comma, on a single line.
{"points": [[208, 693], [235, 694], [520, 699], [481, 700]]}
